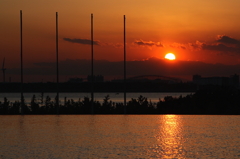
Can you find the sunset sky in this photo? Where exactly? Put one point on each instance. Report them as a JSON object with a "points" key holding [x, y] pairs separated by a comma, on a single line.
{"points": [[200, 33]]}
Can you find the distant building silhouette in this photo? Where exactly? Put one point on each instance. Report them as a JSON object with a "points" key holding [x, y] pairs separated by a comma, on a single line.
{"points": [[152, 79], [233, 80], [98, 78]]}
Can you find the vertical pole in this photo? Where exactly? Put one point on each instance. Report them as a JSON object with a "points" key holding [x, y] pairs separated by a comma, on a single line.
{"points": [[92, 78], [21, 58], [124, 44], [3, 75], [57, 97], [3, 69]]}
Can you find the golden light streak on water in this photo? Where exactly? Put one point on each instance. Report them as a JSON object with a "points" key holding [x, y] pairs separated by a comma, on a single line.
{"points": [[170, 140]]}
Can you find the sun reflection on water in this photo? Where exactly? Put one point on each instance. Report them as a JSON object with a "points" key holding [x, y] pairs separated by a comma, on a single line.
{"points": [[169, 138]]}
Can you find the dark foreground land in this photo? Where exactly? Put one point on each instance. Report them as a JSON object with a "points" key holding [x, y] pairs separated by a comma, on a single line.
{"points": [[217, 100]]}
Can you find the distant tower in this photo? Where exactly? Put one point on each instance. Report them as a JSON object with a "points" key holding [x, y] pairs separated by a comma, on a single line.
{"points": [[3, 69]]}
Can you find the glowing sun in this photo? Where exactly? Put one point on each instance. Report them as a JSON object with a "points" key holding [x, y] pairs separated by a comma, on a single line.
{"points": [[170, 56]]}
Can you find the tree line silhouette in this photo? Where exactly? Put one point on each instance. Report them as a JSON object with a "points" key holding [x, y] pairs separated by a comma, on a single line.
{"points": [[213, 101]]}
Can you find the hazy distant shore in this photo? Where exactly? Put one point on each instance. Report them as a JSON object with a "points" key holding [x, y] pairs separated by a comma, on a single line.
{"points": [[98, 87]]}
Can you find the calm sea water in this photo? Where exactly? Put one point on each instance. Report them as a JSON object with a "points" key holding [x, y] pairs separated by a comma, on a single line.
{"points": [[115, 97], [119, 136]]}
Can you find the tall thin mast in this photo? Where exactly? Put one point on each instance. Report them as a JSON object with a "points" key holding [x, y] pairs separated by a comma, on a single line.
{"points": [[57, 97], [21, 58], [3, 69], [124, 45], [92, 78]]}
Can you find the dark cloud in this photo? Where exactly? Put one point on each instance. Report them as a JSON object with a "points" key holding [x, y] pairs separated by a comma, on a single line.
{"points": [[147, 43], [220, 47], [227, 40], [178, 45], [195, 46], [116, 45], [183, 47], [224, 44], [81, 41], [159, 45]]}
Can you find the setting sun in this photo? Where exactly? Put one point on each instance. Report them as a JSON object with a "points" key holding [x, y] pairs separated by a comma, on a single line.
{"points": [[170, 56]]}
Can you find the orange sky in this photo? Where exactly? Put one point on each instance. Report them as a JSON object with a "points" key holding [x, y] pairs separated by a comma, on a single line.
{"points": [[198, 30]]}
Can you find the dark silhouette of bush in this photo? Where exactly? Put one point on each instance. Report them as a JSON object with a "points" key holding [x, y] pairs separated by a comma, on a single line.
{"points": [[139, 106]]}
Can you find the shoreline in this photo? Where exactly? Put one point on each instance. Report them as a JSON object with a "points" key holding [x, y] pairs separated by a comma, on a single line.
{"points": [[224, 101]]}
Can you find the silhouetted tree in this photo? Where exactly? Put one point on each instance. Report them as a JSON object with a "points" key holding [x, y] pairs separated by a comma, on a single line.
{"points": [[25, 108], [107, 106], [34, 105], [41, 99], [5, 105], [49, 105], [86, 108]]}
